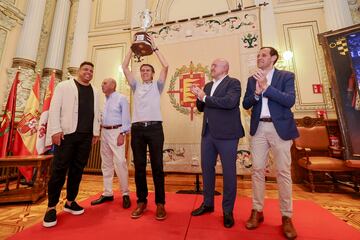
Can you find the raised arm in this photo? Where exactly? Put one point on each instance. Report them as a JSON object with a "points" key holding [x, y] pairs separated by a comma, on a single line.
{"points": [[164, 64], [125, 66]]}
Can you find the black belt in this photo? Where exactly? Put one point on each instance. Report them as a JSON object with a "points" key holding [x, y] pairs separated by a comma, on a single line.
{"points": [[111, 127], [145, 124], [265, 119]]}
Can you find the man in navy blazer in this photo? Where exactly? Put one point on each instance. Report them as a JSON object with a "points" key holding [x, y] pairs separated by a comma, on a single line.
{"points": [[221, 131], [270, 94]]}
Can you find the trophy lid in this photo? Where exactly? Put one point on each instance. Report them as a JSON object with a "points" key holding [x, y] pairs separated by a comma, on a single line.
{"points": [[145, 19]]}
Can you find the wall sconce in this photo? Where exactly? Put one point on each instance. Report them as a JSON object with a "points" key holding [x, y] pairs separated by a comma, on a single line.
{"points": [[285, 62], [288, 55]]}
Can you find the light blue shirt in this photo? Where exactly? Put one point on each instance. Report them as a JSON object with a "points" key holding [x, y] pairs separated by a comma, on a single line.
{"points": [[146, 101], [116, 111]]}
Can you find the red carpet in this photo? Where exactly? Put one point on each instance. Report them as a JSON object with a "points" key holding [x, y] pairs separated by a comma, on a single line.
{"points": [[110, 221]]}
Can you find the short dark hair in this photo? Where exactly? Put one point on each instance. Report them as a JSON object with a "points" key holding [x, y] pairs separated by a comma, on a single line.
{"points": [[148, 65], [273, 52], [87, 63]]}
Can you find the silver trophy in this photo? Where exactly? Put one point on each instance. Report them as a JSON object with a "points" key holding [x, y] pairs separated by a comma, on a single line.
{"points": [[142, 43]]}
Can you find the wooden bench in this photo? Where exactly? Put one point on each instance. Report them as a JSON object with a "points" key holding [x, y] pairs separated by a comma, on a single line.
{"points": [[353, 163], [31, 193]]}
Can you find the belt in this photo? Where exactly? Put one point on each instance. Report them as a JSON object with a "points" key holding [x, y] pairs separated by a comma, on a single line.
{"points": [[145, 124], [111, 127], [265, 119]]}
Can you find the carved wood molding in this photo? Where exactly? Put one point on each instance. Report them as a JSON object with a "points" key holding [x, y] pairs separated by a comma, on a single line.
{"points": [[309, 122]]}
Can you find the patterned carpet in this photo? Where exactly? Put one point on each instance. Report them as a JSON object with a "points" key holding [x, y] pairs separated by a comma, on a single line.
{"points": [[16, 217]]}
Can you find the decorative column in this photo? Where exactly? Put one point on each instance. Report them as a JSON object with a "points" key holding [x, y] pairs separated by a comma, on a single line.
{"points": [[28, 43], [26, 51], [268, 24], [80, 43], [55, 53], [10, 17], [337, 14]]}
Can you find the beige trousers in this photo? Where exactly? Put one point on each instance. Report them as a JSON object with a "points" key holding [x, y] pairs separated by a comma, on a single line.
{"points": [[113, 158], [266, 138]]}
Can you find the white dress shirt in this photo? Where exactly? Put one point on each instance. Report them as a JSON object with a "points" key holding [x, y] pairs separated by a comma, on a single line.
{"points": [[216, 83], [265, 112]]}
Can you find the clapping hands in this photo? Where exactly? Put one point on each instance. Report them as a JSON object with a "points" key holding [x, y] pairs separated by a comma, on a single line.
{"points": [[261, 81], [197, 92]]}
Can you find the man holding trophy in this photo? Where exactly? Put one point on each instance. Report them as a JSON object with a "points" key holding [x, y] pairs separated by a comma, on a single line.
{"points": [[146, 129]]}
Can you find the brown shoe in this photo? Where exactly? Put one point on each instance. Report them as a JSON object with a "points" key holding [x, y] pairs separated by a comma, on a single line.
{"points": [[255, 219], [160, 212], [139, 210], [288, 228]]}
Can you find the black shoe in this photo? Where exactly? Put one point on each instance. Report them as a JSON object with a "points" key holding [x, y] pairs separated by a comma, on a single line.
{"points": [[50, 218], [126, 201], [26, 183], [228, 220], [74, 208], [102, 199], [201, 210]]}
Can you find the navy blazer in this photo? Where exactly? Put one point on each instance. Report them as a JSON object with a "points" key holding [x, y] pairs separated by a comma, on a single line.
{"points": [[221, 110], [281, 97]]}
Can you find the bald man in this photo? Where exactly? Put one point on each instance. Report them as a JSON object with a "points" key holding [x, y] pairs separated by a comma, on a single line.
{"points": [[221, 131], [115, 125]]}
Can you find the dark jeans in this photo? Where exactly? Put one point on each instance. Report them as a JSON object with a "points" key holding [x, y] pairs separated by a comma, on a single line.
{"points": [[141, 137], [71, 156]]}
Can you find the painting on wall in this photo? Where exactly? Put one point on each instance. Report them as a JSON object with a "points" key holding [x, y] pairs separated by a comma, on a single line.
{"points": [[342, 55]]}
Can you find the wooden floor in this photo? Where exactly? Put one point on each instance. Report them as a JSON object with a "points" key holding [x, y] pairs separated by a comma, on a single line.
{"points": [[344, 202]]}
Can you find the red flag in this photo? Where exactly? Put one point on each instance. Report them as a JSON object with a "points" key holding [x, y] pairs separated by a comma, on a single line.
{"points": [[7, 123], [41, 134], [26, 131]]}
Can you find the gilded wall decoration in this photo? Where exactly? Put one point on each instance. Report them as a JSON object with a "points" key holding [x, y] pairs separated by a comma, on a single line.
{"points": [[210, 26], [161, 8], [354, 6], [9, 15]]}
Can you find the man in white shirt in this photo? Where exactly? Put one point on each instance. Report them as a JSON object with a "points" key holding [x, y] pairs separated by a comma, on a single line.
{"points": [[115, 125]]}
